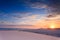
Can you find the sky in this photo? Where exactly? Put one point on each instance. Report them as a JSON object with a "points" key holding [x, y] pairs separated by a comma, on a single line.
{"points": [[37, 13]]}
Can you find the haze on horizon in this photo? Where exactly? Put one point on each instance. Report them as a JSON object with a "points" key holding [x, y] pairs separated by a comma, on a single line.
{"points": [[30, 13]]}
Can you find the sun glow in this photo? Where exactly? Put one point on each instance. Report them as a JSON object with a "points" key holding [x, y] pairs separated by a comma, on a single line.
{"points": [[52, 26]]}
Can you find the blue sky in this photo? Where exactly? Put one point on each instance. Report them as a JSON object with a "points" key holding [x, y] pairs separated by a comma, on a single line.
{"points": [[27, 12]]}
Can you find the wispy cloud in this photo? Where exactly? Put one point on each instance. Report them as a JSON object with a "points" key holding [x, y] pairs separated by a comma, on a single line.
{"points": [[38, 5]]}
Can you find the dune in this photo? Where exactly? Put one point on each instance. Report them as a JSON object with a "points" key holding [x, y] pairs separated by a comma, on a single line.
{"points": [[20, 35]]}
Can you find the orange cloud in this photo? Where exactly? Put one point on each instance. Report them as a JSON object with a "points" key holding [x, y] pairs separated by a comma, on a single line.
{"points": [[47, 24]]}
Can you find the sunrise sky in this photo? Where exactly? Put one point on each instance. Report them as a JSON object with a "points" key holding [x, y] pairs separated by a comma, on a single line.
{"points": [[31, 13]]}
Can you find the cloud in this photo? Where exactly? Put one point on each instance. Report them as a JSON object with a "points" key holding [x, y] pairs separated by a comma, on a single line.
{"points": [[19, 15], [16, 18], [38, 5], [54, 11], [33, 16], [50, 16], [26, 19], [53, 6], [15, 14], [5, 23], [29, 19]]}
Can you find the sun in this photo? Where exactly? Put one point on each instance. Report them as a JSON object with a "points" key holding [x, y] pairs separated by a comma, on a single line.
{"points": [[52, 26]]}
